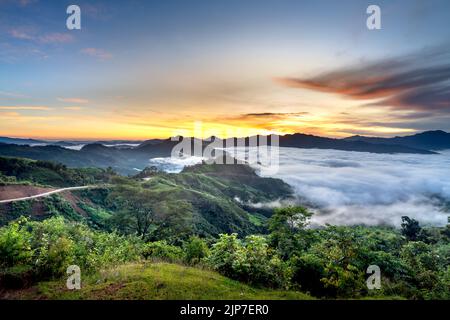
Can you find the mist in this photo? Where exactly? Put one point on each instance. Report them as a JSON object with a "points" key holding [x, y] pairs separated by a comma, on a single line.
{"points": [[347, 188]]}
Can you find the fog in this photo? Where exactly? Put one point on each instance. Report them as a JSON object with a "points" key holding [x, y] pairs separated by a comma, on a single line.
{"points": [[364, 188], [347, 188], [174, 165]]}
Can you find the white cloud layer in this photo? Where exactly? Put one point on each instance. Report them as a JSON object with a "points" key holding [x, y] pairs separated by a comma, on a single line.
{"points": [[365, 188], [346, 188]]}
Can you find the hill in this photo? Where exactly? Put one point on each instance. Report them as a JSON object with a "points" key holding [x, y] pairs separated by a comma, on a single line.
{"points": [[25, 171], [128, 159], [309, 141], [202, 198], [21, 141], [430, 140], [154, 281]]}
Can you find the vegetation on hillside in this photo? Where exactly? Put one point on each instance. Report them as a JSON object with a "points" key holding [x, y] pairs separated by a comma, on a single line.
{"points": [[328, 263], [193, 221], [25, 171], [156, 281]]}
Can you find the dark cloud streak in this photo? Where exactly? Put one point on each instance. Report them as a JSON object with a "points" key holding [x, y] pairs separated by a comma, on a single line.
{"points": [[418, 82]]}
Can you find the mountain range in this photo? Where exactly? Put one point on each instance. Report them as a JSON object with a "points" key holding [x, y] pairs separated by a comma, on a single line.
{"points": [[130, 159]]}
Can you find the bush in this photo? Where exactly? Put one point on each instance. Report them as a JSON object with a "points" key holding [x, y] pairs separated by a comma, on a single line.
{"points": [[162, 250], [15, 245], [47, 248], [250, 261], [224, 254], [195, 250], [308, 270]]}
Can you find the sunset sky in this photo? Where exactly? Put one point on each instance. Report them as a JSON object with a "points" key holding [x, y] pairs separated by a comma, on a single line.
{"points": [[151, 69]]}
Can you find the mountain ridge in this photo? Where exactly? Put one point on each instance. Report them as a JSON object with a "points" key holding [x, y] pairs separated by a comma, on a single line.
{"points": [[134, 158]]}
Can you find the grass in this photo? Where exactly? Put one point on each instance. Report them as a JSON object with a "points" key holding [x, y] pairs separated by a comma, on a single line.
{"points": [[156, 281]]}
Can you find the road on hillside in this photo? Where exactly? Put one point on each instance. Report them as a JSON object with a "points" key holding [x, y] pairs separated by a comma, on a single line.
{"points": [[45, 194]]}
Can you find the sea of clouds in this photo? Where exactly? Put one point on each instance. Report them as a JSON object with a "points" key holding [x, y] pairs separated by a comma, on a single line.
{"points": [[346, 188], [174, 165], [365, 188]]}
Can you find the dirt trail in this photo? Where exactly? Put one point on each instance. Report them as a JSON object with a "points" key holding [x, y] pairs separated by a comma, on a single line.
{"points": [[21, 193]]}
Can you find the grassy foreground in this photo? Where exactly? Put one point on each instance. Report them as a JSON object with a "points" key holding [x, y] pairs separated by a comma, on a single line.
{"points": [[155, 281]]}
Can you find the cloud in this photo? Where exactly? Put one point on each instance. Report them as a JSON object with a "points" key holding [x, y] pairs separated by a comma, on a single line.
{"points": [[20, 34], [24, 3], [56, 38], [417, 82], [362, 188], [29, 34], [97, 53], [73, 108], [17, 117], [272, 114], [74, 100], [263, 117], [267, 121], [40, 108], [21, 3], [12, 94], [348, 188]]}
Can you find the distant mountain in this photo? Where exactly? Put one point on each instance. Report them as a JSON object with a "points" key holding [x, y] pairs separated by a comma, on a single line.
{"points": [[20, 141], [299, 140], [128, 160], [429, 140]]}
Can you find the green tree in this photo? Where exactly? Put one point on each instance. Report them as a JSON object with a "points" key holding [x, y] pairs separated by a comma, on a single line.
{"points": [[286, 228], [195, 250], [410, 228], [136, 214]]}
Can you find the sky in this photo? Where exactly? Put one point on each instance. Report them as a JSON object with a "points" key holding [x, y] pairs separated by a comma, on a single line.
{"points": [[155, 69]]}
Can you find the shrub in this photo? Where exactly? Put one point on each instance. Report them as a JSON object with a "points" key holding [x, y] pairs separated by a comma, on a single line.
{"points": [[251, 261], [15, 244], [195, 249], [162, 250], [308, 270], [55, 255], [224, 253], [47, 248]]}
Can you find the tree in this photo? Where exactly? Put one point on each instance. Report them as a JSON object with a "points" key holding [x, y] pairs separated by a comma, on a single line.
{"points": [[410, 228], [343, 254], [136, 209], [195, 250], [446, 231], [285, 227]]}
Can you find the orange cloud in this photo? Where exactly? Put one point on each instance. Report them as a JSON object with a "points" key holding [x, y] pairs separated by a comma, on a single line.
{"points": [[74, 100], [41, 108]]}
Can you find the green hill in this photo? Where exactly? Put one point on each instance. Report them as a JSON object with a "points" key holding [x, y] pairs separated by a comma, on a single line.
{"points": [[26, 171], [204, 199], [155, 281]]}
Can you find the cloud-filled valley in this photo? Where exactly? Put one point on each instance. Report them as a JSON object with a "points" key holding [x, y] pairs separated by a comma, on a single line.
{"points": [[366, 188]]}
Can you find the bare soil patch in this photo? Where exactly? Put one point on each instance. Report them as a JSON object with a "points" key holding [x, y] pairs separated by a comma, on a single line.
{"points": [[19, 191]]}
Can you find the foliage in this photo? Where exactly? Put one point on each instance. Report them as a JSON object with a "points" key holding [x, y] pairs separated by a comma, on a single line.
{"points": [[15, 245], [50, 246], [17, 170], [286, 229], [195, 250], [250, 261], [161, 250], [156, 281]]}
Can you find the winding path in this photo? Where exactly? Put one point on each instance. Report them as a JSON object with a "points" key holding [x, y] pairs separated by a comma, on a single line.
{"points": [[45, 194]]}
